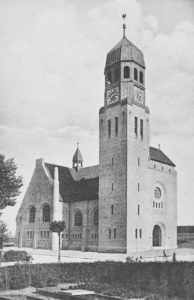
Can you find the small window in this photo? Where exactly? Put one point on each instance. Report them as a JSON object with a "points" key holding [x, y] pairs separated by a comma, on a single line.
{"points": [[161, 205], [138, 209], [48, 234], [140, 233], [96, 217], [157, 193], [112, 209], [115, 233], [117, 74], [78, 218], [153, 203], [141, 77], [135, 125], [135, 74], [116, 126], [138, 187], [109, 128], [109, 233], [112, 187], [141, 128], [28, 234], [136, 233], [46, 213], [44, 234], [138, 161], [112, 161], [32, 214], [126, 72], [109, 77]]}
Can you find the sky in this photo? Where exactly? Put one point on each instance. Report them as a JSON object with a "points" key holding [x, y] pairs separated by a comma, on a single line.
{"points": [[52, 58]]}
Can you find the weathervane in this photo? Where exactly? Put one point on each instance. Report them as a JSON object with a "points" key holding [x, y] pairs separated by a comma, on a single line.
{"points": [[124, 25]]}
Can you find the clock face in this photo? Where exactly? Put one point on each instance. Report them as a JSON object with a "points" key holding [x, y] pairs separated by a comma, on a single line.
{"points": [[112, 95], [138, 95]]}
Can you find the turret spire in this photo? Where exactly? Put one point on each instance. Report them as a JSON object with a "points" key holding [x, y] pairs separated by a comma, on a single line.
{"points": [[77, 159], [124, 25]]}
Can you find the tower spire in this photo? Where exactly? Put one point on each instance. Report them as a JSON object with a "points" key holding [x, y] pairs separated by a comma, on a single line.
{"points": [[124, 25]]}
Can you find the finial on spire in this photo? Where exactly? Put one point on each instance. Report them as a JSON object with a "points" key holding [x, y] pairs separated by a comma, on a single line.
{"points": [[124, 25]]}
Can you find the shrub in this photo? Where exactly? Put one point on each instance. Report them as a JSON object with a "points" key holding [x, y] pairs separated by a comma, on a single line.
{"points": [[17, 256]]}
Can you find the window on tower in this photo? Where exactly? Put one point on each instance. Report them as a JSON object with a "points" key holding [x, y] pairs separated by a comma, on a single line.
{"points": [[141, 128], [109, 128], [116, 126], [141, 77], [135, 125], [109, 77], [117, 74], [126, 72], [135, 74]]}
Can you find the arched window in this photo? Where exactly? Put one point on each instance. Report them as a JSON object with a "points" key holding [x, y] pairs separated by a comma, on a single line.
{"points": [[141, 77], [96, 217], [135, 74], [78, 218], [109, 77], [126, 72], [32, 214], [117, 74], [157, 236], [157, 193], [46, 213]]}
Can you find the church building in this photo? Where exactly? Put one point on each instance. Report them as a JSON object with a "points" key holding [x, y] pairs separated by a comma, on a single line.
{"points": [[126, 203]]}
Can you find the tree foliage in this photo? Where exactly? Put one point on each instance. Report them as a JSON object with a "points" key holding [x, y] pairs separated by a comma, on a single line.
{"points": [[10, 183], [57, 226]]}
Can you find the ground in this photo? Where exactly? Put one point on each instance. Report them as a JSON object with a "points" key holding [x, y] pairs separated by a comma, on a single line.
{"points": [[68, 256]]}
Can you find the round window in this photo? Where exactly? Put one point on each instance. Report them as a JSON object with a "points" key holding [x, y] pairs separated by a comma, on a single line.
{"points": [[157, 193]]}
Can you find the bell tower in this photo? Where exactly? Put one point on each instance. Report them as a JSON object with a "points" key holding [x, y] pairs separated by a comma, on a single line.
{"points": [[123, 147]]}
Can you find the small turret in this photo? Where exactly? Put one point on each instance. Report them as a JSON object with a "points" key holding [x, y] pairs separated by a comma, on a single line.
{"points": [[77, 159]]}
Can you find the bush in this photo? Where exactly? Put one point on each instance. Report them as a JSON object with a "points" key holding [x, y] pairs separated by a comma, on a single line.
{"points": [[168, 280], [17, 256]]}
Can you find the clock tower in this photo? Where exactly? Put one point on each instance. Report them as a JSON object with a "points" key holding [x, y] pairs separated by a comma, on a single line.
{"points": [[123, 148]]}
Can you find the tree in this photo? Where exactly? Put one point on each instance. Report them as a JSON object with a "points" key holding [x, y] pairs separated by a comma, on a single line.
{"points": [[58, 226], [10, 184]]}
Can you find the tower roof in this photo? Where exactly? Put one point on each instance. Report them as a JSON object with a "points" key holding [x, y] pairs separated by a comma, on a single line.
{"points": [[77, 156], [125, 50]]}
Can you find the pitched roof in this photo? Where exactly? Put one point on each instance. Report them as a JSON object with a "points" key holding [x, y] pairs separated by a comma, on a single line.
{"points": [[79, 186], [158, 155], [125, 50], [77, 156]]}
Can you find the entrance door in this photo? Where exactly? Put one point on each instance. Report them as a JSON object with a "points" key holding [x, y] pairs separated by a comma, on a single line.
{"points": [[157, 236]]}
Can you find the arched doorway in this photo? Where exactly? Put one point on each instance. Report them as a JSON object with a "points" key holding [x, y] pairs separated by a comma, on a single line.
{"points": [[157, 236]]}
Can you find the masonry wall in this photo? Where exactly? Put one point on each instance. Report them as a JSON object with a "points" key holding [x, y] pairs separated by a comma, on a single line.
{"points": [[112, 181], [39, 192]]}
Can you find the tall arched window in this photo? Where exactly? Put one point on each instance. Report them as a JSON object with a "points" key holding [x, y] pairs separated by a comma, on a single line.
{"points": [[126, 72], [109, 77], [78, 218], [141, 77], [46, 213], [96, 217], [135, 74], [117, 74], [32, 214]]}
